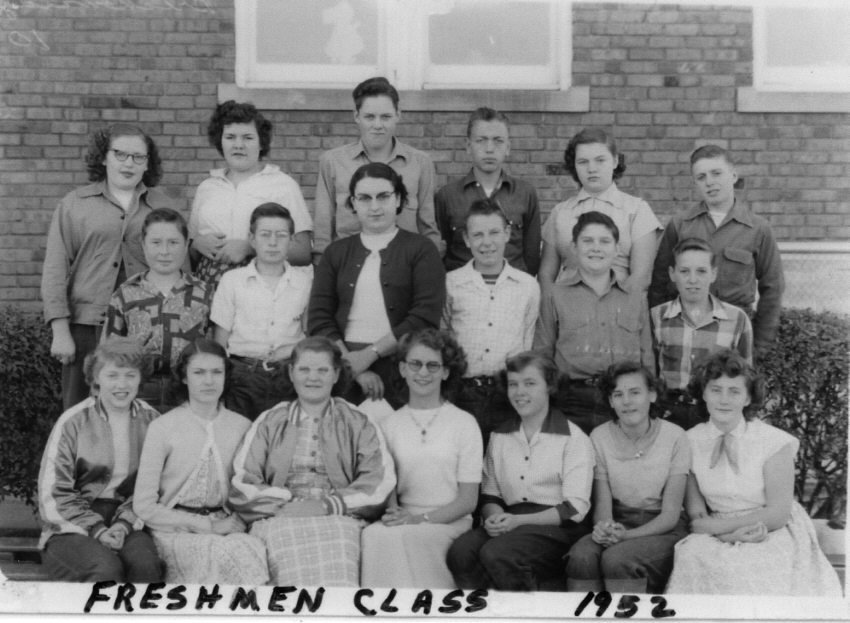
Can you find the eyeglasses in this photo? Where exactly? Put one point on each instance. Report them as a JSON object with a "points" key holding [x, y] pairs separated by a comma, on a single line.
{"points": [[416, 365], [381, 199], [121, 156]]}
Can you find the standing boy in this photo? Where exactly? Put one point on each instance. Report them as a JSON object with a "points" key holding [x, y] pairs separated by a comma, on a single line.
{"points": [[492, 308], [747, 255], [692, 326], [488, 143], [376, 114], [588, 321], [259, 314]]}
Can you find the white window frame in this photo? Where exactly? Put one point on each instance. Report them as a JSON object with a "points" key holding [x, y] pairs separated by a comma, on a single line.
{"points": [[796, 78], [403, 57]]}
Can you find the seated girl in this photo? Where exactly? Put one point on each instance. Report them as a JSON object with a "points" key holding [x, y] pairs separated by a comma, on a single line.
{"points": [[163, 308], [85, 485], [535, 492], [749, 536], [642, 465], [437, 452], [184, 479], [310, 473]]}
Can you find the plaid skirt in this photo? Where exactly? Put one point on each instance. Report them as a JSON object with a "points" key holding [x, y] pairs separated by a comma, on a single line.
{"points": [[312, 551]]}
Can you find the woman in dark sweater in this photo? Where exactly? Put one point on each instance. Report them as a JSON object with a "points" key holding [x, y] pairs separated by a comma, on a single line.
{"points": [[372, 288]]}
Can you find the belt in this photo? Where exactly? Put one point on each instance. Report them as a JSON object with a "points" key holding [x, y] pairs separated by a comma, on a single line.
{"points": [[591, 381], [681, 395], [203, 510], [254, 363], [479, 381]]}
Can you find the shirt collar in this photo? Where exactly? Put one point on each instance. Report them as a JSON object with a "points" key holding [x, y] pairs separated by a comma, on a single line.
{"points": [[738, 431], [555, 423], [400, 150], [610, 195], [504, 178], [142, 280], [738, 212], [99, 188], [717, 310], [468, 273], [252, 273], [101, 410], [266, 170], [572, 277]]}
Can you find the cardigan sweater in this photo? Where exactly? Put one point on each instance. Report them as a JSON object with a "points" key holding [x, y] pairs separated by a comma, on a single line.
{"points": [[174, 445], [412, 278]]}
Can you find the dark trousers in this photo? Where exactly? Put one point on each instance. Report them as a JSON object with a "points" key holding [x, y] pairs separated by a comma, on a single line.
{"points": [[253, 389], [583, 405], [680, 409], [648, 557], [488, 403], [516, 561], [155, 391], [74, 386], [78, 558], [395, 389]]}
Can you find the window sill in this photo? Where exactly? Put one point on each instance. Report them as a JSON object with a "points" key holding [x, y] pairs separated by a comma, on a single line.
{"points": [[574, 99], [751, 99]]}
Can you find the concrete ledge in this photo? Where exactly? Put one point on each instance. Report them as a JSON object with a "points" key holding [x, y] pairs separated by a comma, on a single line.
{"points": [[574, 99], [751, 99]]}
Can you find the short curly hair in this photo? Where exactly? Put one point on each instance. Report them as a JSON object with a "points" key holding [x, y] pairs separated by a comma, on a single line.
{"points": [[124, 352], [443, 342], [727, 363], [178, 390], [100, 143], [321, 344], [234, 112], [589, 136], [608, 380]]}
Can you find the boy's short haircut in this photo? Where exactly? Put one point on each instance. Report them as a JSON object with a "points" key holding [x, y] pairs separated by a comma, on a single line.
{"points": [[485, 207], [485, 114], [271, 210], [693, 244], [374, 87], [595, 218], [165, 215], [710, 151]]}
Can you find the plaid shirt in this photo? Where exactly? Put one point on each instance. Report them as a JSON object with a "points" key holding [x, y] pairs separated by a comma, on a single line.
{"points": [[163, 324], [680, 344]]}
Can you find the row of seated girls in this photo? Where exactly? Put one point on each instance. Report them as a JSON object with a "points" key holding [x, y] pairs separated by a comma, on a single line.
{"points": [[314, 493], [265, 466]]}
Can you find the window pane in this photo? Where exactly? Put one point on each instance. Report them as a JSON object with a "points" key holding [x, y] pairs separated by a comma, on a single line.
{"points": [[808, 36], [491, 32], [339, 32]]}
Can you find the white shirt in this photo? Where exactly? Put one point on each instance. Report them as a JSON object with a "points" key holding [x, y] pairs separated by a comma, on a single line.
{"points": [[220, 207], [491, 323], [261, 319]]}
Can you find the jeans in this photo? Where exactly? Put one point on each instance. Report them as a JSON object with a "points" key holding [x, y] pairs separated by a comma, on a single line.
{"points": [[253, 389], [79, 558], [583, 405], [487, 403], [156, 392], [647, 557], [74, 386], [395, 388], [680, 411], [515, 561]]}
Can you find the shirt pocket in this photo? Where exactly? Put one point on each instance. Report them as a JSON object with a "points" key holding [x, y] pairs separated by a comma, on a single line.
{"points": [[737, 266]]}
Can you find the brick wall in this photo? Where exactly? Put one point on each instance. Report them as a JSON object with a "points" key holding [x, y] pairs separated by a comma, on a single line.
{"points": [[663, 76]]}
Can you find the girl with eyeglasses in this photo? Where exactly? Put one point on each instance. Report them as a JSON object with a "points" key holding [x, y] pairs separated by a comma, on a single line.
{"points": [[371, 288], [437, 452], [95, 243]]}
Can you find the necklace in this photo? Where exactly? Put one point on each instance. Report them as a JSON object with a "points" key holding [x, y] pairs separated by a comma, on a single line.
{"points": [[424, 429], [638, 450]]}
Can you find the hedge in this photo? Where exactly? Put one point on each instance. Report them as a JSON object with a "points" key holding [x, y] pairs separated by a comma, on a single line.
{"points": [[806, 375]]}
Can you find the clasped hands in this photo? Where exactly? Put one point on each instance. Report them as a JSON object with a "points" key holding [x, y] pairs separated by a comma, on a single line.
{"points": [[607, 532], [397, 516], [369, 382], [113, 537], [500, 523]]}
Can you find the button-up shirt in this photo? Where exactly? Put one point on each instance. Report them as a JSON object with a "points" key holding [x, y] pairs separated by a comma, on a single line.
{"points": [[92, 240], [680, 343], [494, 322], [163, 323], [518, 200], [632, 216], [261, 319], [586, 332], [747, 258], [553, 468], [333, 219]]}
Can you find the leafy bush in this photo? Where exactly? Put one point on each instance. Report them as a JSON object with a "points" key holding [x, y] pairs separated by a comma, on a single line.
{"points": [[30, 400], [806, 372]]}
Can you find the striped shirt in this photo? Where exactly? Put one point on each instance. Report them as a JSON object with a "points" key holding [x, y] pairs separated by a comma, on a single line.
{"points": [[494, 322], [554, 468], [163, 323], [680, 344]]}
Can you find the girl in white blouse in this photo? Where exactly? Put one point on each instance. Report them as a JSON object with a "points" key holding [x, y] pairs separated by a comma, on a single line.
{"points": [[749, 535]]}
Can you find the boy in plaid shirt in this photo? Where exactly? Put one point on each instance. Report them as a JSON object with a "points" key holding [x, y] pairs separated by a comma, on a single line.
{"points": [[693, 326]]}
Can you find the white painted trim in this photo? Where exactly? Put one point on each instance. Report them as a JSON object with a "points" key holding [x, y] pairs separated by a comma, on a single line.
{"points": [[814, 246]]}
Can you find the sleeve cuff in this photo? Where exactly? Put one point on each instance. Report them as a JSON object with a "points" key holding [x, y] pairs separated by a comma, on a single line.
{"points": [[567, 512], [127, 525], [492, 499], [334, 505], [97, 529]]}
